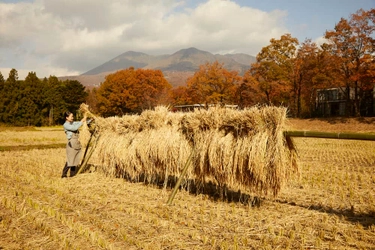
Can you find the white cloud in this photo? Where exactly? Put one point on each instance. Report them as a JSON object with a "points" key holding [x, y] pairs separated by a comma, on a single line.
{"points": [[320, 40], [52, 37]]}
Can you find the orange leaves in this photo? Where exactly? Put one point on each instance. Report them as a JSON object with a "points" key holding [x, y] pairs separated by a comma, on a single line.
{"points": [[352, 43], [132, 90], [213, 84], [180, 96], [274, 70]]}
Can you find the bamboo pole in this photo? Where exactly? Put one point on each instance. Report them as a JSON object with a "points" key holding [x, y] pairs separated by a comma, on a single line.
{"points": [[85, 160], [178, 183], [331, 135], [87, 146]]}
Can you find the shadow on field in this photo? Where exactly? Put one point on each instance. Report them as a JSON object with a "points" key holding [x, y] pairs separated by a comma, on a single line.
{"points": [[194, 187], [223, 193], [220, 193], [365, 219]]}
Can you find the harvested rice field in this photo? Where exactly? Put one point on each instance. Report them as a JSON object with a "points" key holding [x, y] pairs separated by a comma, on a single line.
{"points": [[329, 204]]}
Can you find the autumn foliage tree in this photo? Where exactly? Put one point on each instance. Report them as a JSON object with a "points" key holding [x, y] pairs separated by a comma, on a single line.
{"points": [[248, 92], [131, 91], [213, 84], [180, 96], [287, 73], [304, 82], [352, 44], [274, 69]]}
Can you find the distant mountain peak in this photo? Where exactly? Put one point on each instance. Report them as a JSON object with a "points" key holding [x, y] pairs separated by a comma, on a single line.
{"points": [[133, 53], [181, 63], [190, 51]]}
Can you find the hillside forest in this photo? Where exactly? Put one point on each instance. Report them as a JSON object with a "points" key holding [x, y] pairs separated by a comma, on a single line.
{"points": [[286, 72]]}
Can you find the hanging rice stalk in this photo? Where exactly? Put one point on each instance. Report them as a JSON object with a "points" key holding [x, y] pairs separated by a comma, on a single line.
{"points": [[241, 149]]}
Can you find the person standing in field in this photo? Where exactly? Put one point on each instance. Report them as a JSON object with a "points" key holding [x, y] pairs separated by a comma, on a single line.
{"points": [[73, 147]]}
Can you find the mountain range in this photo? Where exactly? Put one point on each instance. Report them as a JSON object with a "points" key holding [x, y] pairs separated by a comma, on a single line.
{"points": [[177, 67]]}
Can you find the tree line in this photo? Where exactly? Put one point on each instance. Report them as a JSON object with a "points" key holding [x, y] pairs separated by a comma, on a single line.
{"points": [[286, 72], [38, 102]]}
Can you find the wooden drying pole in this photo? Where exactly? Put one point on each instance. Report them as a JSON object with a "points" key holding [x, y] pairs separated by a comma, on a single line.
{"points": [[84, 161], [331, 135], [178, 183]]}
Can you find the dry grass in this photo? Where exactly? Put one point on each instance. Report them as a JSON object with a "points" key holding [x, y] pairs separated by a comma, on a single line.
{"points": [[331, 206], [31, 136], [339, 124]]}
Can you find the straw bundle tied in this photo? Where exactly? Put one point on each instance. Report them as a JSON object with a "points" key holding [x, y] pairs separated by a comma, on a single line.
{"points": [[242, 149]]}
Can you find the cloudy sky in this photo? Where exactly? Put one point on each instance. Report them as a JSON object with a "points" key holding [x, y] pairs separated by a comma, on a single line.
{"points": [[70, 37]]}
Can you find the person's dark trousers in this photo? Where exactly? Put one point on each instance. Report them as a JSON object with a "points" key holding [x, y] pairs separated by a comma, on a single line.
{"points": [[65, 171], [72, 171]]}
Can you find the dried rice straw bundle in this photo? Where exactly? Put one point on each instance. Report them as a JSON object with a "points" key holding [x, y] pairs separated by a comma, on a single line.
{"points": [[84, 131], [143, 145], [241, 149]]}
